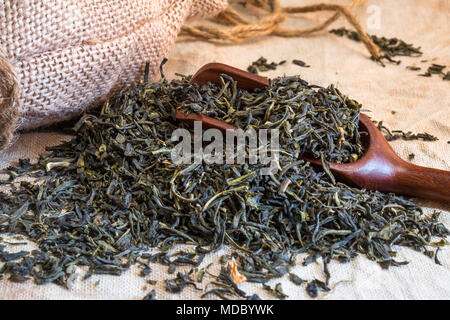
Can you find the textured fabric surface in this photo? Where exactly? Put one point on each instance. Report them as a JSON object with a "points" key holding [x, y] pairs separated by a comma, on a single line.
{"points": [[420, 104], [69, 54]]}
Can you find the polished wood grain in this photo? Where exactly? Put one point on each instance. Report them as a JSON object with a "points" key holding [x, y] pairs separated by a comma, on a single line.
{"points": [[245, 80], [380, 168]]}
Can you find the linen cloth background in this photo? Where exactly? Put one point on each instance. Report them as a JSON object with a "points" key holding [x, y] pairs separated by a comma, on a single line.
{"points": [[421, 104]]}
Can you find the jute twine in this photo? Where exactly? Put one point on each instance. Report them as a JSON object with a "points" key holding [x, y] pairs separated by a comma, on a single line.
{"points": [[232, 26], [240, 28]]}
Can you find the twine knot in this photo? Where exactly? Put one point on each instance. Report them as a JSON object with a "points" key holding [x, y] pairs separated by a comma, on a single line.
{"points": [[239, 28]]}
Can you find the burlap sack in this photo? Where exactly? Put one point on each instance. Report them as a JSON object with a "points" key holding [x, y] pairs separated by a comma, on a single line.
{"points": [[59, 57]]}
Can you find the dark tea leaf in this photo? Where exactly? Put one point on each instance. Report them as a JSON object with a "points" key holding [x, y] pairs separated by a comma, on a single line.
{"points": [[389, 47], [262, 65]]}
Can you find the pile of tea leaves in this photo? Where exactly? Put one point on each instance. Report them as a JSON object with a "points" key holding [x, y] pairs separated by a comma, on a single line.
{"points": [[104, 198], [312, 120]]}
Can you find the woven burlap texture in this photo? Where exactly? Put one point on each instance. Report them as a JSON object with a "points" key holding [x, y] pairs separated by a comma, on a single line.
{"points": [[420, 104], [69, 54]]}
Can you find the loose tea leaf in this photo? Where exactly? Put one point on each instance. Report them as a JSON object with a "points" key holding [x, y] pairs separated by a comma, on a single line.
{"points": [[413, 68], [314, 287], [436, 260], [225, 285], [146, 271], [300, 63], [277, 291], [296, 279], [151, 295], [389, 47], [262, 65], [392, 135], [434, 69], [177, 284]]}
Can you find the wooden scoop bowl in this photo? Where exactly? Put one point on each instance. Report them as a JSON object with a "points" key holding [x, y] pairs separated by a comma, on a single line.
{"points": [[380, 168]]}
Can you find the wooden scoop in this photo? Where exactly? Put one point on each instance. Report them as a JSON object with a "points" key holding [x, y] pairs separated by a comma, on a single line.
{"points": [[378, 169]]}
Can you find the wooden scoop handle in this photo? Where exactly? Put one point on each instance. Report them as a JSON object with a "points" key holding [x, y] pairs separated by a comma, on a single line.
{"points": [[380, 168], [422, 182]]}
